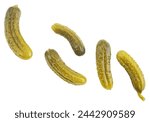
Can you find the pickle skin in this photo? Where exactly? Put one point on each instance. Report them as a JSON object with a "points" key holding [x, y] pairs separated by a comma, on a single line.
{"points": [[71, 36], [134, 71], [13, 36], [103, 57], [55, 62]]}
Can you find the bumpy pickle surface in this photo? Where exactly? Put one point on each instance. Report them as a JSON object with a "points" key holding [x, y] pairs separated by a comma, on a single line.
{"points": [[12, 32], [62, 70]]}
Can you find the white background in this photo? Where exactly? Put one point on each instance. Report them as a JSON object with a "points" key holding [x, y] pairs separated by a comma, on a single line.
{"points": [[30, 85]]}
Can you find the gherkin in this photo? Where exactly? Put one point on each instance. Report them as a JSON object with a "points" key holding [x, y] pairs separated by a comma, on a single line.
{"points": [[133, 70], [103, 56], [13, 36], [71, 36], [55, 62]]}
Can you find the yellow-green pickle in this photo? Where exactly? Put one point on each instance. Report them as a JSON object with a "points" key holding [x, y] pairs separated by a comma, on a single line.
{"points": [[71, 36], [13, 35], [55, 62], [133, 70], [103, 56]]}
